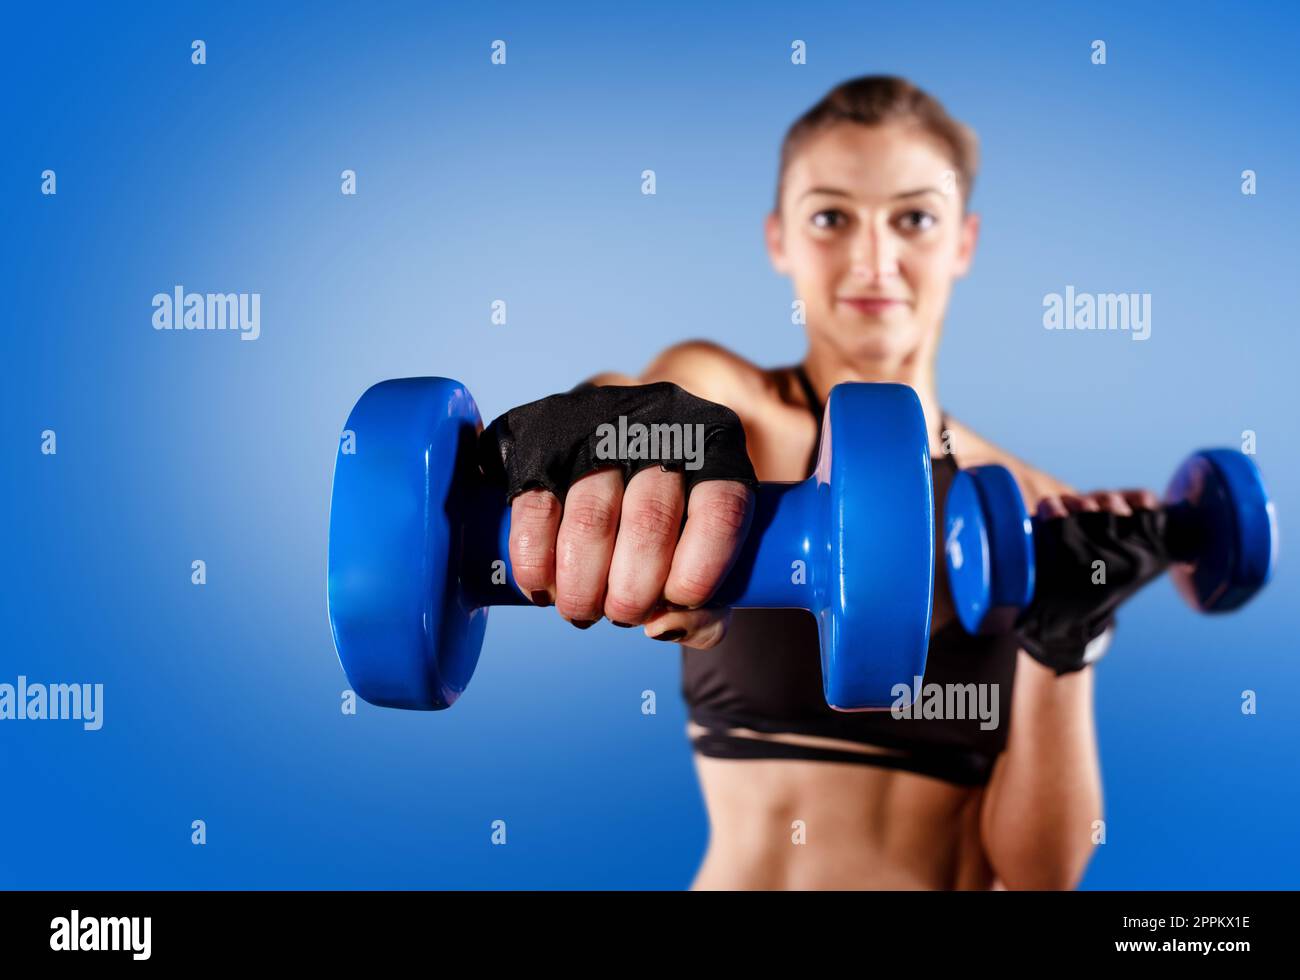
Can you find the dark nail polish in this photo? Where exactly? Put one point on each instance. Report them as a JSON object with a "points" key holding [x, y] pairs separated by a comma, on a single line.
{"points": [[623, 626], [583, 624], [541, 598], [670, 636]]}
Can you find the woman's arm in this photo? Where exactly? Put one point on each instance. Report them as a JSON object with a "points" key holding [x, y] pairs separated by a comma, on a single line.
{"points": [[1039, 807], [1037, 821]]}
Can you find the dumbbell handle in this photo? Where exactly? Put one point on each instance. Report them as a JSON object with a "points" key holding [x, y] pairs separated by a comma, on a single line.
{"points": [[785, 525], [1184, 538]]}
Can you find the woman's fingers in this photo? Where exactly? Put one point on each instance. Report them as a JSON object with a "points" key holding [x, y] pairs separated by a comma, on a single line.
{"points": [[718, 517], [696, 628], [621, 551], [1075, 503], [1112, 502], [1141, 499], [534, 520], [1120, 502], [1050, 507], [647, 537], [584, 545]]}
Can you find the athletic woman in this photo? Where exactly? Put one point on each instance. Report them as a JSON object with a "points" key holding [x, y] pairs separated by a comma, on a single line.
{"points": [[872, 225]]}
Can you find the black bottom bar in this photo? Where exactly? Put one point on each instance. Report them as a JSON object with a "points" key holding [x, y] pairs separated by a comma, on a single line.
{"points": [[388, 929]]}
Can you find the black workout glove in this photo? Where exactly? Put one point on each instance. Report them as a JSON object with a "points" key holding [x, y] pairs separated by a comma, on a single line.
{"points": [[550, 443], [1069, 610]]}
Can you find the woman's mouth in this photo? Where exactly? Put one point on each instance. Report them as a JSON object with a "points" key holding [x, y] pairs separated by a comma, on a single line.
{"points": [[871, 305]]}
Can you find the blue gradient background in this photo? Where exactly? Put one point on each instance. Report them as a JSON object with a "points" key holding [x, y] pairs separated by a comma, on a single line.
{"points": [[523, 183]]}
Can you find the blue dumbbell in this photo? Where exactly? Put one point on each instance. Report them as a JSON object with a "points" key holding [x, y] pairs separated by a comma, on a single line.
{"points": [[1221, 532], [419, 545]]}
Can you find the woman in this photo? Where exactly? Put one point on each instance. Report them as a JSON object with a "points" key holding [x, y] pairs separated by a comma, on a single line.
{"points": [[871, 223]]}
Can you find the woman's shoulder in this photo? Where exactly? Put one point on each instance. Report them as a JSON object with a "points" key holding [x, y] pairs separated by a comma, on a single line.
{"points": [[972, 449], [709, 370]]}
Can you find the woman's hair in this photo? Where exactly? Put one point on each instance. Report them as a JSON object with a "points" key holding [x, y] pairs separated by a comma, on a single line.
{"points": [[876, 99]]}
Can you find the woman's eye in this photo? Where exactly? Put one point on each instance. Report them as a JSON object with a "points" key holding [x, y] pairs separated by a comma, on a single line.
{"points": [[828, 219], [918, 220]]}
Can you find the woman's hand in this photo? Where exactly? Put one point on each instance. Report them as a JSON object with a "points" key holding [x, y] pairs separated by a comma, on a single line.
{"points": [[614, 551], [1091, 553], [602, 536]]}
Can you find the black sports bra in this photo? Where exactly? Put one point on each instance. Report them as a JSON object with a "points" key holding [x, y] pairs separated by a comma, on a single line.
{"points": [[764, 678]]}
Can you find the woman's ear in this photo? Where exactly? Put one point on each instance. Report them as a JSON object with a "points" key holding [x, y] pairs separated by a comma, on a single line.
{"points": [[967, 239], [774, 233]]}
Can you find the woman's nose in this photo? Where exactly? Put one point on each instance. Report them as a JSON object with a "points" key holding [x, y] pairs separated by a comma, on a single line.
{"points": [[874, 255]]}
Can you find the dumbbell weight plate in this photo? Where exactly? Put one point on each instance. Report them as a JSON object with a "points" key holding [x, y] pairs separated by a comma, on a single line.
{"points": [[874, 472], [1222, 528], [406, 637], [989, 542]]}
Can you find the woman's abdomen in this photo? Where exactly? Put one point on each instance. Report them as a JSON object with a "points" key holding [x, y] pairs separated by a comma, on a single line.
{"points": [[790, 824]]}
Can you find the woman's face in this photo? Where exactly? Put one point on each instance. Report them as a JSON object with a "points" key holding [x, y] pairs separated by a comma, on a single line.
{"points": [[871, 231]]}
